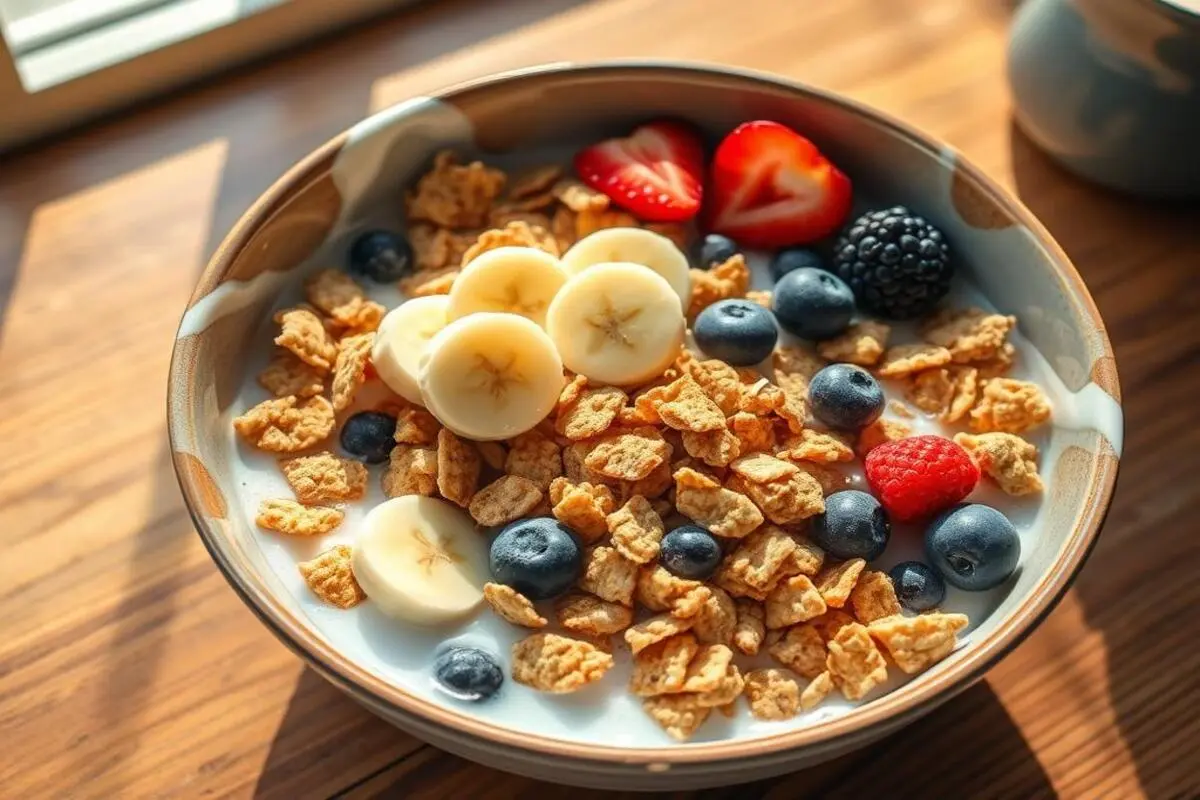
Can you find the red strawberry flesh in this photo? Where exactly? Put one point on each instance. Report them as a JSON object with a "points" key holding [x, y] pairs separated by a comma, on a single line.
{"points": [[772, 188], [656, 172]]}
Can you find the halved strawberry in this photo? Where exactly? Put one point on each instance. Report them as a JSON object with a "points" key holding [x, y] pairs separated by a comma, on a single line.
{"points": [[771, 188], [656, 173]]}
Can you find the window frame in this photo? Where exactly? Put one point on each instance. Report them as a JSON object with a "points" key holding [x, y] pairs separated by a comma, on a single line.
{"points": [[26, 116]]}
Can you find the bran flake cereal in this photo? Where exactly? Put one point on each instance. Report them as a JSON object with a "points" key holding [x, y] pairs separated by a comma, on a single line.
{"points": [[330, 578], [292, 518]]}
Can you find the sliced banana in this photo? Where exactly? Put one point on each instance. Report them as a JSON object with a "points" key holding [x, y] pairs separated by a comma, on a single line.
{"points": [[513, 280], [420, 559], [617, 323], [633, 246], [491, 376], [401, 340]]}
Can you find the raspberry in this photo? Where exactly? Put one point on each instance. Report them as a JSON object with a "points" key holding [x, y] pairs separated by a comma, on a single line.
{"points": [[919, 476]]}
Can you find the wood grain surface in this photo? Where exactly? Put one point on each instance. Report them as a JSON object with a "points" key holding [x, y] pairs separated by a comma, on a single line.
{"points": [[129, 669]]}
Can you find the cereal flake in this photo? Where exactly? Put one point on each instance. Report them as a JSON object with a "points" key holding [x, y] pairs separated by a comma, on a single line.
{"points": [[969, 335], [458, 468], [783, 501], [590, 413], [880, 432], [749, 630], [288, 375], [754, 434], [516, 233], [535, 456], [294, 519], [836, 581], [722, 511], [724, 281], [331, 578], [350, 368], [1007, 458], [873, 597], [336, 295], [285, 425], [678, 714], [905, 359], [584, 614], [610, 576], [715, 448], [429, 282], [512, 606], [324, 478], [855, 663], [659, 590], [505, 499], [417, 426], [762, 468], [948, 392], [655, 629], [578, 197], [411, 470], [917, 643], [582, 507], [708, 668], [629, 455], [717, 619], [863, 343], [816, 691], [793, 600], [551, 663], [757, 560], [773, 694], [719, 381], [455, 195], [662, 668], [303, 334], [685, 407], [636, 530], [801, 648], [1010, 406]]}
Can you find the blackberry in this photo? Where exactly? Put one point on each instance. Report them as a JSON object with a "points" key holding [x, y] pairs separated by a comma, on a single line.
{"points": [[897, 264]]}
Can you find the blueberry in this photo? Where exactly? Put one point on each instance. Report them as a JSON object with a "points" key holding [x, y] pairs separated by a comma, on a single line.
{"points": [[845, 397], [974, 546], [468, 673], [716, 249], [369, 436], [853, 525], [690, 551], [918, 586], [738, 332], [539, 557], [813, 303], [795, 258], [382, 256]]}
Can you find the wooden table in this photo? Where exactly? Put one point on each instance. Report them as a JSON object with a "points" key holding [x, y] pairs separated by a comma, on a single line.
{"points": [[129, 669]]}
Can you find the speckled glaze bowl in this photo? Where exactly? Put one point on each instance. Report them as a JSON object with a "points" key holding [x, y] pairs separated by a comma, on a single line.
{"points": [[313, 210]]}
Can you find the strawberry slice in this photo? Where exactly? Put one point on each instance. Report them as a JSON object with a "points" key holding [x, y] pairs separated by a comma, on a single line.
{"points": [[656, 173], [772, 188]]}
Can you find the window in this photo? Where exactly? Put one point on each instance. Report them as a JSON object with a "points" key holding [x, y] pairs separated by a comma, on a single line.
{"points": [[64, 61]]}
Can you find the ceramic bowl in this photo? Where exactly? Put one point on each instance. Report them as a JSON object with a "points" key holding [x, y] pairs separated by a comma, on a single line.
{"points": [[308, 216]]}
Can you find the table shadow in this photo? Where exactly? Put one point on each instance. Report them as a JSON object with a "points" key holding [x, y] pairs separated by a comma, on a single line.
{"points": [[1134, 256], [970, 743]]}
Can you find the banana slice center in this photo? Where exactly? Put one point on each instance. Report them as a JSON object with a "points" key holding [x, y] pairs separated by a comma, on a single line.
{"points": [[513, 300], [431, 554], [608, 326], [497, 377]]}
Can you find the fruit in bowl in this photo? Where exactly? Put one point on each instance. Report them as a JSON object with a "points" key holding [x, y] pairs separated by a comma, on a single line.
{"points": [[658, 437]]}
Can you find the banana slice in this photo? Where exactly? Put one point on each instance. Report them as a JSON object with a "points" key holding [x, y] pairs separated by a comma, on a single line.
{"points": [[617, 323], [491, 376], [401, 340], [514, 280], [633, 246], [420, 559]]}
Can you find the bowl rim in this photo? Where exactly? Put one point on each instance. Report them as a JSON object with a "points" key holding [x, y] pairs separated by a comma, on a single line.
{"points": [[902, 704]]}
